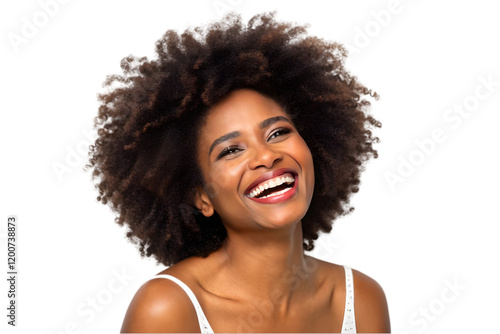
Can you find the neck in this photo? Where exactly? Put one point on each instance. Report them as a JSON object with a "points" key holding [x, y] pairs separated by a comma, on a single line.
{"points": [[268, 266]]}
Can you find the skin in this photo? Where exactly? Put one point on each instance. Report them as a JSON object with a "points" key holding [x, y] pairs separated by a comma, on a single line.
{"points": [[260, 280]]}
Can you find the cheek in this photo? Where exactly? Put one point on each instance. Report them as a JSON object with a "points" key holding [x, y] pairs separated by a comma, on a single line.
{"points": [[303, 156], [224, 180]]}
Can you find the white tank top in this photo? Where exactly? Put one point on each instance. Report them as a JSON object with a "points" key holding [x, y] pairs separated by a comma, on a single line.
{"points": [[348, 325]]}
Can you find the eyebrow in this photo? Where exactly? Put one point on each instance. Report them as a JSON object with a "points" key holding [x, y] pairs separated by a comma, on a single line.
{"points": [[264, 124]]}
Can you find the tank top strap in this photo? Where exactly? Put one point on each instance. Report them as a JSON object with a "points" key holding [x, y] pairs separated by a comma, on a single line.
{"points": [[202, 319], [349, 323]]}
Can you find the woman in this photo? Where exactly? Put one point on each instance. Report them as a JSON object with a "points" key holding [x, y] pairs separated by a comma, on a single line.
{"points": [[225, 157]]}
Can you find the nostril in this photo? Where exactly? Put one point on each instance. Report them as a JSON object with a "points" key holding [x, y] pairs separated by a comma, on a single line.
{"points": [[265, 157]]}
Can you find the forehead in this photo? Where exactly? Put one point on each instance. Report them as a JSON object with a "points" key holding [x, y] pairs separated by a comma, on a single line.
{"points": [[241, 109]]}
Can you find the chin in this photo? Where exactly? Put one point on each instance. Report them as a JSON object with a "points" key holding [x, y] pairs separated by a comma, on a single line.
{"points": [[284, 219]]}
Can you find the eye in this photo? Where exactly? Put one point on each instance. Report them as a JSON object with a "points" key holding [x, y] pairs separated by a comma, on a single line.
{"points": [[230, 150], [279, 132]]}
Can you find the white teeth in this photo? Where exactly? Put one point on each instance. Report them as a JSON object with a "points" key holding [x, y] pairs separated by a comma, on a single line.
{"points": [[278, 192], [271, 184]]}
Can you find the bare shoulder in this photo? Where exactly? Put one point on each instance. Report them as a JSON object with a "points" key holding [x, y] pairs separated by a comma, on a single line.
{"points": [[370, 305], [160, 305]]}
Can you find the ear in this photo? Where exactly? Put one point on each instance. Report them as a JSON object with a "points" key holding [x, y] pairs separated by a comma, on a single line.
{"points": [[203, 203]]}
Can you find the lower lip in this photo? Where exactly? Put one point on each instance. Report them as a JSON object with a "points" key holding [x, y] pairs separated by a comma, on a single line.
{"points": [[278, 198]]}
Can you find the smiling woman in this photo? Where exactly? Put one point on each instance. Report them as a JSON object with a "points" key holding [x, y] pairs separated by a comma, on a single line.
{"points": [[259, 159], [225, 157]]}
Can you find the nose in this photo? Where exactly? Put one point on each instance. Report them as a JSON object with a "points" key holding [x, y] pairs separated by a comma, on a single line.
{"points": [[264, 156]]}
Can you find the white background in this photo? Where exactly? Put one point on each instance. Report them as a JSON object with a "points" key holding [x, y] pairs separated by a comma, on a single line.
{"points": [[434, 228]]}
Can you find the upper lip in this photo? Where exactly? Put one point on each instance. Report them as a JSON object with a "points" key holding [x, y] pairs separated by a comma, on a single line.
{"points": [[269, 175]]}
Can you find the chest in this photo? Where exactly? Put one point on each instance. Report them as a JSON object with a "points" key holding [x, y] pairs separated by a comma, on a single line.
{"points": [[318, 313]]}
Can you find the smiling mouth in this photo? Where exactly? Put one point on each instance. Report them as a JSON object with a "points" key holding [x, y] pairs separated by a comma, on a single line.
{"points": [[273, 187]]}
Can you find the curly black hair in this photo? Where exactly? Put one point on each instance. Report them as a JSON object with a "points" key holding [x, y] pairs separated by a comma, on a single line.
{"points": [[149, 119]]}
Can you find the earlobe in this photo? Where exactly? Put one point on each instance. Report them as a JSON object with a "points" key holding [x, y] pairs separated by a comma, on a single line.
{"points": [[203, 203]]}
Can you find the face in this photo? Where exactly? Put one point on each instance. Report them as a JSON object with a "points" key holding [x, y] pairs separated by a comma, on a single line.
{"points": [[258, 170]]}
